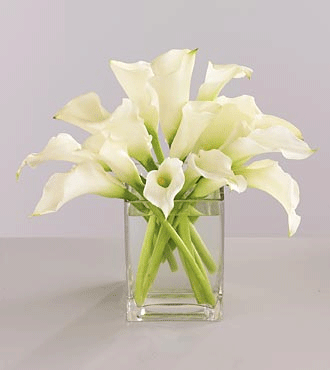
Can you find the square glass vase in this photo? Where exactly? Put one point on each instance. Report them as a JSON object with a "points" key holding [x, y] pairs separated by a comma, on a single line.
{"points": [[174, 268]]}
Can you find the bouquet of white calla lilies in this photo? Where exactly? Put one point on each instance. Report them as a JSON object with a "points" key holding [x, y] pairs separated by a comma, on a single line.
{"points": [[211, 142]]}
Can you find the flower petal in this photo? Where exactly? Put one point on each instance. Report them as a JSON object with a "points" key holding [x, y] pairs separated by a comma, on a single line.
{"points": [[245, 103], [217, 76], [272, 139], [134, 78], [164, 184], [266, 121], [87, 177], [268, 176], [63, 147], [196, 117], [114, 154], [126, 125], [172, 77], [215, 168], [94, 142], [86, 112]]}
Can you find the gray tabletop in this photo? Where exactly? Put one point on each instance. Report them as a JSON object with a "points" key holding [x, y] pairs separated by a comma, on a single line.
{"points": [[62, 306]]}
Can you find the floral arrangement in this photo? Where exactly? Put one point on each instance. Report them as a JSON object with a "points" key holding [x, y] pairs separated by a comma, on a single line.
{"points": [[210, 142]]}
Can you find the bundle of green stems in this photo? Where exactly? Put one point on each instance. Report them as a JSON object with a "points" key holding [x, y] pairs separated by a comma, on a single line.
{"points": [[161, 238]]}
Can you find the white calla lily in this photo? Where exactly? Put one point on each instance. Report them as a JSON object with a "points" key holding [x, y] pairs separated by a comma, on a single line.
{"points": [[86, 112], [115, 155], [172, 77], [254, 117], [84, 178], [126, 125], [196, 117], [215, 169], [135, 80], [272, 139], [63, 147], [238, 117], [217, 76], [230, 123], [164, 184], [268, 176]]}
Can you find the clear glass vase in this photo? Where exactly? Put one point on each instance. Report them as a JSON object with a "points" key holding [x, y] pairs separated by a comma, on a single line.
{"points": [[175, 271]]}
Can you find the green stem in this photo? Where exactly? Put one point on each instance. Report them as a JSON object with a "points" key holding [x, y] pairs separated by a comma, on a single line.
{"points": [[169, 256], [196, 287], [157, 148], [199, 245], [149, 164], [155, 261], [198, 292], [202, 250], [146, 251], [129, 196], [186, 227], [186, 237]]}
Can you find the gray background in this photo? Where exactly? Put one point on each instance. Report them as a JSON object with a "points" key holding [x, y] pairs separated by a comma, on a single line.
{"points": [[54, 51]]}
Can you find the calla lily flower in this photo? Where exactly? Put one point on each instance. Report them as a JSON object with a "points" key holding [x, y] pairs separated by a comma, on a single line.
{"points": [[217, 76], [215, 169], [230, 123], [238, 118], [63, 147], [164, 184], [114, 154], [268, 176], [196, 117], [124, 124], [254, 117], [172, 77], [84, 178], [135, 80], [127, 126], [272, 139], [86, 112]]}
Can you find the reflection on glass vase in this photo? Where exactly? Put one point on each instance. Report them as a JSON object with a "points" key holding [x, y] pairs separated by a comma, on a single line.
{"points": [[175, 267]]}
